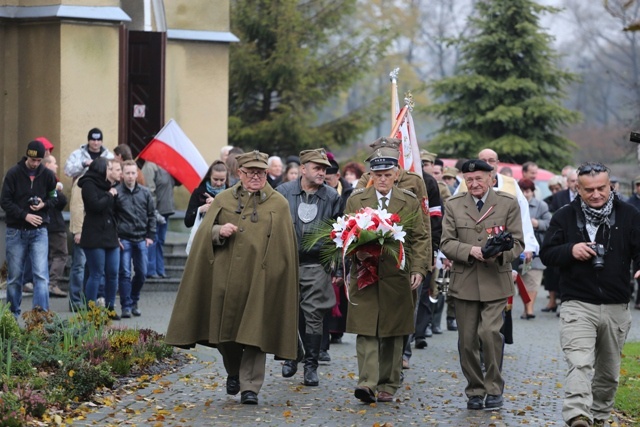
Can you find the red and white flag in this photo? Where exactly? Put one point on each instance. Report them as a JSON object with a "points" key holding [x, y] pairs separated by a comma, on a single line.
{"points": [[172, 150], [409, 152]]}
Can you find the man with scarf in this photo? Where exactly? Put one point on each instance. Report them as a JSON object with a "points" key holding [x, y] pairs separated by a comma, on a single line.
{"points": [[593, 240]]}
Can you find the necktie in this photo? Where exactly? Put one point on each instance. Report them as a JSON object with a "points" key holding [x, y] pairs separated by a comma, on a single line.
{"points": [[480, 204], [383, 203]]}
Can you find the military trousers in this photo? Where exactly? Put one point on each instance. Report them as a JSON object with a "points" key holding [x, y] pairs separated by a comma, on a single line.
{"points": [[316, 296], [480, 321], [592, 337], [379, 362], [247, 361]]}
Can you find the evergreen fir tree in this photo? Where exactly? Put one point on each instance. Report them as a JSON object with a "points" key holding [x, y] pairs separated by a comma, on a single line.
{"points": [[292, 59], [507, 93]]}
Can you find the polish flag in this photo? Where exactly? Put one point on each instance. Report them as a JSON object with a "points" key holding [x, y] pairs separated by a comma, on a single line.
{"points": [[173, 151]]}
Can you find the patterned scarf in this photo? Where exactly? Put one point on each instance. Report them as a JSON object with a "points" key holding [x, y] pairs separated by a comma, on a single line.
{"points": [[214, 191], [597, 217]]}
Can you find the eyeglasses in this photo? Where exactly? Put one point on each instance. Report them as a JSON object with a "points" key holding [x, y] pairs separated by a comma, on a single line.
{"points": [[592, 168], [259, 174]]}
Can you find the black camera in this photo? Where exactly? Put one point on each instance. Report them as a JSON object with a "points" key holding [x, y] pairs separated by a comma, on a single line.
{"points": [[634, 137], [598, 260], [34, 200]]}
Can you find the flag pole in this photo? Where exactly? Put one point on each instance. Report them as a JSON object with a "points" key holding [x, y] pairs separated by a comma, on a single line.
{"points": [[393, 75]]}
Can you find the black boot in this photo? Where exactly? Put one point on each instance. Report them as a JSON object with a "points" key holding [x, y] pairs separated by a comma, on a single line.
{"points": [[312, 350], [290, 367]]}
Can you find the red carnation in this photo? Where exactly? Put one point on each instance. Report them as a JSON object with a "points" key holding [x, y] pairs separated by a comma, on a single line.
{"points": [[395, 218]]}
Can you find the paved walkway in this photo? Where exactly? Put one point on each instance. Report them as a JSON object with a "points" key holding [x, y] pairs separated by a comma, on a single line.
{"points": [[432, 393]]}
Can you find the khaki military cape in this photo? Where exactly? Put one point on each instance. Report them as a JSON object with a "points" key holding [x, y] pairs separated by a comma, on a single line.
{"points": [[385, 309], [245, 290]]}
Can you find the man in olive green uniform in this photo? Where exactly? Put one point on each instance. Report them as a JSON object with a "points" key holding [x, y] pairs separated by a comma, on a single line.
{"points": [[239, 291], [480, 287], [382, 313]]}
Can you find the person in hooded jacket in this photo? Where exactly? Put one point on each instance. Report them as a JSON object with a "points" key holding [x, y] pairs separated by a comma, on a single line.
{"points": [[99, 237]]}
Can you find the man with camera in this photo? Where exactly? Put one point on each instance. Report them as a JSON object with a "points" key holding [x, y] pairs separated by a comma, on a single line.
{"points": [[28, 191], [593, 240], [481, 235]]}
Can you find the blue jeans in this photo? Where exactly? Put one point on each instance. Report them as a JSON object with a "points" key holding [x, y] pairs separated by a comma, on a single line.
{"points": [[102, 263], [130, 289], [19, 244], [156, 251], [77, 277]]}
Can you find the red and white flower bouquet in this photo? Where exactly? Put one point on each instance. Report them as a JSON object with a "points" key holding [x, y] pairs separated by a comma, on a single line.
{"points": [[366, 234]]}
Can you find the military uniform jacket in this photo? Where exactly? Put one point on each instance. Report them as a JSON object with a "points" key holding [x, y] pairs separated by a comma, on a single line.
{"points": [[414, 183], [242, 289], [471, 279], [385, 309]]}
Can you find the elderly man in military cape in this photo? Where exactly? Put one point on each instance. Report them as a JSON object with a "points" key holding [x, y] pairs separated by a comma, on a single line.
{"points": [[239, 291], [480, 287], [382, 313]]}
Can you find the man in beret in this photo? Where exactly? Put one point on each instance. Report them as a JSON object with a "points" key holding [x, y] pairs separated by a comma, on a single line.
{"points": [[480, 287], [311, 201], [239, 291], [28, 192], [382, 313]]}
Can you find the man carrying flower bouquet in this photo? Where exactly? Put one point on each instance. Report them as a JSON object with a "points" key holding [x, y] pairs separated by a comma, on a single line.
{"points": [[481, 285], [311, 202], [383, 278]]}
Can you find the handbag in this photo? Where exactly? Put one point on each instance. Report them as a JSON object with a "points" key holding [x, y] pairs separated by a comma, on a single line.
{"points": [[194, 230]]}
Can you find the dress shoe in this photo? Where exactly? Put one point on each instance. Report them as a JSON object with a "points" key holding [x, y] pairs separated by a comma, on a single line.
{"points": [[249, 398], [436, 330], [364, 394], [289, 368], [153, 276], [126, 313], [136, 311], [580, 421], [113, 315], [335, 339], [475, 402], [233, 384], [549, 309], [324, 356], [421, 343], [528, 316], [493, 401], [383, 396], [56, 292], [428, 332], [452, 325]]}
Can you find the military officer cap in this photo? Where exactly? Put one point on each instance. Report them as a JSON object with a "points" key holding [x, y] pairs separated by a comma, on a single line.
{"points": [[383, 158], [426, 156], [253, 159], [449, 172], [318, 156], [384, 142], [476, 165]]}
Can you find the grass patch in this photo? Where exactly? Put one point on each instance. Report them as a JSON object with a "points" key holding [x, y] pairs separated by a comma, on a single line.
{"points": [[628, 395]]}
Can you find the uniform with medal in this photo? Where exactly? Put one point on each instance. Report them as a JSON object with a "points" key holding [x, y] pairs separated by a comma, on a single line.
{"points": [[480, 287]]}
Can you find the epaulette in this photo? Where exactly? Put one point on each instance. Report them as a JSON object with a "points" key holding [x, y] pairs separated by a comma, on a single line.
{"points": [[457, 196], [505, 194], [357, 191], [413, 173], [409, 192]]}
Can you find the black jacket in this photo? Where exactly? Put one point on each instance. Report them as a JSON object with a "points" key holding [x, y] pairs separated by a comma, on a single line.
{"points": [[329, 207], [197, 199], [56, 220], [135, 213], [579, 280], [435, 210], [99, 229], [18, 188]]}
